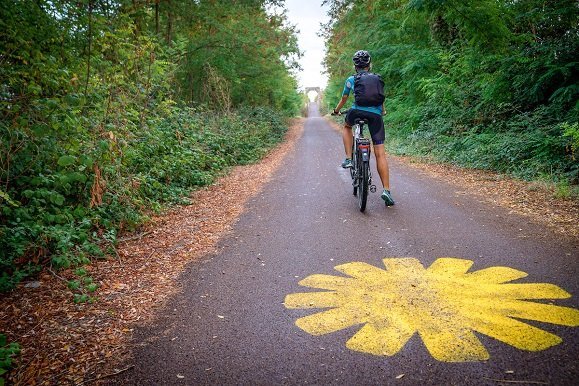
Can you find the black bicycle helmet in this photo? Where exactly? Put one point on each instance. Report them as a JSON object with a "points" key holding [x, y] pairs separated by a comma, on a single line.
{"points": [[361, 59]]}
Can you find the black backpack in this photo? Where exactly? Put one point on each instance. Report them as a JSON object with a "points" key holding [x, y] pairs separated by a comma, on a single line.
{"points": [[368, 89]]}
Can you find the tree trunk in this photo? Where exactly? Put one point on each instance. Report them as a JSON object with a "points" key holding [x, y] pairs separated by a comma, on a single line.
{"points": [[157, 17], [169, 23], [89, 53]]}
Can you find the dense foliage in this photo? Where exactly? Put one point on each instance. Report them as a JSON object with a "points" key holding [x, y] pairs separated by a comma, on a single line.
{"points": [[479, 83], [111, 108], [7, 352]]}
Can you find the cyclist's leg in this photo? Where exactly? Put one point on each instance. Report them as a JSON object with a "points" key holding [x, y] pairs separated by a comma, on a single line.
{"points": [[382, 165], [376, 126], [348, 140], [347, 132]]}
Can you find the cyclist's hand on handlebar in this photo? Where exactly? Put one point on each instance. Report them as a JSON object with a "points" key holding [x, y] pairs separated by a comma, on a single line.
{"points": [[335, 112]]}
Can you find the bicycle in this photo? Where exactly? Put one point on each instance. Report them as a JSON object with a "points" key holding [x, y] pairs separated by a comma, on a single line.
{"points": [[360, 172]]}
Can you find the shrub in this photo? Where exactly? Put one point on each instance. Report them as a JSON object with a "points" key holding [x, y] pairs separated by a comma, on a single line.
{"points": [[60, 211]]}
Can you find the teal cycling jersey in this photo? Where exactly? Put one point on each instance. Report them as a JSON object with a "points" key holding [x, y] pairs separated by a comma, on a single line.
{"points": [[349, 87]]}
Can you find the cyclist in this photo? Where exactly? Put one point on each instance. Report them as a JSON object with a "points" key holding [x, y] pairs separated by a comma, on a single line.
{"points": [[369, 104]]}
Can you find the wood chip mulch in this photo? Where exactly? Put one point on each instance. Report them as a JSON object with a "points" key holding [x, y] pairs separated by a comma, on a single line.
{"points": [[534, 200], [67, 343]]}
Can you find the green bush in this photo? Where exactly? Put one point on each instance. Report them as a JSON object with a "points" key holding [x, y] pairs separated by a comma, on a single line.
{"points": [[527, 146], [104, 119], [51, 214], [7, 352]]}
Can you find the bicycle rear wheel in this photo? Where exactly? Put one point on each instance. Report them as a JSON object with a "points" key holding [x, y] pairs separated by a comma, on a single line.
{"points": [[353, 159], [354, 168], [363, 185]]}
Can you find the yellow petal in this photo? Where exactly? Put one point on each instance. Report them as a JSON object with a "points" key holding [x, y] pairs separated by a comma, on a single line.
{"points": [[404, 266], [541, 312], [449, 266], [380, 341], [495, 275], [312, 300], [453, 345], [330, 321], [326, 282], [360, 270], [517, 334], [527, 291]]}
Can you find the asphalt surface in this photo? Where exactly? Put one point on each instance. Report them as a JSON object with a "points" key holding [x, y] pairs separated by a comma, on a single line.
{"points": [[230, 325]]}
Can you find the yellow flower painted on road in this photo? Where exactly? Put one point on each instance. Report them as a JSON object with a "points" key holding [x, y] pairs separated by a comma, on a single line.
{"points": [[444, 304]]}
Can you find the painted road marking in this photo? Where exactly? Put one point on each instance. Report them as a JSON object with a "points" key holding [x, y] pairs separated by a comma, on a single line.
{"points": [[444, 304]]}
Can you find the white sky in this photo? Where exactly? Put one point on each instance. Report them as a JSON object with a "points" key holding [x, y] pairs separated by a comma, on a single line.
{"points": [[307, 15]]}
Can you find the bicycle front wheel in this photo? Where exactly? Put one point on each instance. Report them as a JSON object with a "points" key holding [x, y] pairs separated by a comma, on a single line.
{"points": [[363, 185]]}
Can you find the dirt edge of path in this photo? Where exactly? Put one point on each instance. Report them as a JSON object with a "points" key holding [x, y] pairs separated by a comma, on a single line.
{"points": [[533, 200], [63, 342]]}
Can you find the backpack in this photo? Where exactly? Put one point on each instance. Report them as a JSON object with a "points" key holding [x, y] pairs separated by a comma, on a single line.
{"points": [[368, 89]]}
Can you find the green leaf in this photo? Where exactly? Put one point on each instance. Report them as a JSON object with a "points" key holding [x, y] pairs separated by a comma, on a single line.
{"points": [[7, 198], [56, 198], [80, 272], [76, 176], [40, 130], [86, 161], [73, 285], [66, 160], [78, 298]]}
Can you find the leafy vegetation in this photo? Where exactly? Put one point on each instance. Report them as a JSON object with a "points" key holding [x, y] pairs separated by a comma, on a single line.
{"points": [[111, 109], [7, 352], [478, 83]]}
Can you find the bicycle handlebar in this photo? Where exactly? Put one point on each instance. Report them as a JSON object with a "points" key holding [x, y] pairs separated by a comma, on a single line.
{"points": [[362, 121]]}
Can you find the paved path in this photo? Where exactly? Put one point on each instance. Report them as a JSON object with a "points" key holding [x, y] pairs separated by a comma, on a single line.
{"points": [[231, 326]]}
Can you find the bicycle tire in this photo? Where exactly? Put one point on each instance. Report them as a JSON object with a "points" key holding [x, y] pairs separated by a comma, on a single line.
{"points": [[363, 185], [353, 161], [354, 168]]}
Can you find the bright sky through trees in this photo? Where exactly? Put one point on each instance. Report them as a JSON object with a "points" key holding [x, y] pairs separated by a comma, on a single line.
{"points": [[307, 15]]}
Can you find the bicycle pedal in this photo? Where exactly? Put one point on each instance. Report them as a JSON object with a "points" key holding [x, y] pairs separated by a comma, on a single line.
{"points": [[373, 188]]}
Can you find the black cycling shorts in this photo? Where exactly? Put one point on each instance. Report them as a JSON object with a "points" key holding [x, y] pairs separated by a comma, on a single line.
{"points": [[375, 124]]}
